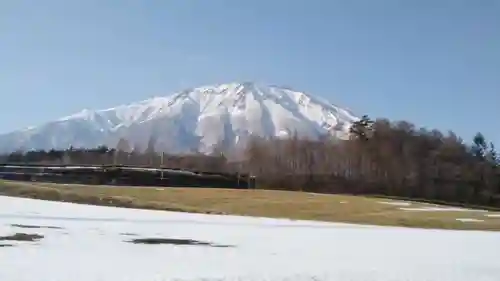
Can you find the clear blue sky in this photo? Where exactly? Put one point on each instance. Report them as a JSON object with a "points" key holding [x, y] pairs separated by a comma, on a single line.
{"points": [[434, 63]]}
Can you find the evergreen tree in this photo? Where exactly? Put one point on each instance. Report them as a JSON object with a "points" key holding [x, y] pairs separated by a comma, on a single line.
{"points": [[362, 128], [479, 147], [492, 155]]}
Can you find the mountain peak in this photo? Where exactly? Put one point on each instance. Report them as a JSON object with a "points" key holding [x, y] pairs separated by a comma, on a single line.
{"points": [[199, 118]]}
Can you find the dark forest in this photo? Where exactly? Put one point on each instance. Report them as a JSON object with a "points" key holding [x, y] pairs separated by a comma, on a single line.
{"points": [[380, 158]]}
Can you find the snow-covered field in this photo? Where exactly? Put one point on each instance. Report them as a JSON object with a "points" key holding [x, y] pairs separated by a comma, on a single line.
{"points": [[89, 243]]}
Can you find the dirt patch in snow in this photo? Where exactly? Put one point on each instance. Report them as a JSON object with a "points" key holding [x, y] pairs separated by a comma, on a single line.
{"points": [[128, 234], [35, 226], [22, 237], [171, 241]]}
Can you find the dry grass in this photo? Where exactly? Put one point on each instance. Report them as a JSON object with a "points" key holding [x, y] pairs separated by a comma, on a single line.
{"points": [[264, 203]]}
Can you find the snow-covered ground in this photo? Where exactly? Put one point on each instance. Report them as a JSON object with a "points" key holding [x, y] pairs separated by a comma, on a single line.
{"points": [[90, 245]]}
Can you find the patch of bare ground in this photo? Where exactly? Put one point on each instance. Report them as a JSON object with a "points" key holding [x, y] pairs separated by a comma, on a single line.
{"points": [[35, 226], [258, 203], [22, 237], [172, 241]]}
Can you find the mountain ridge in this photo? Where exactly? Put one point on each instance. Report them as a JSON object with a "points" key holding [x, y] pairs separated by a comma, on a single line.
{"points": [[195, 119]]}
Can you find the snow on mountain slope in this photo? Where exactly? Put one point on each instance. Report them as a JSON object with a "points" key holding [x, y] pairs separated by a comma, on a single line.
{"points": [[194, 119]]}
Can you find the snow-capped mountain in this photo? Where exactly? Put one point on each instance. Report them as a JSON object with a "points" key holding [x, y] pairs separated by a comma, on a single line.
{"points": [[192, 120]]}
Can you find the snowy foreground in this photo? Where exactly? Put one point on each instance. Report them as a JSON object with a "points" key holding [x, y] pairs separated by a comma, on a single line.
{"points": [[91, 244]]}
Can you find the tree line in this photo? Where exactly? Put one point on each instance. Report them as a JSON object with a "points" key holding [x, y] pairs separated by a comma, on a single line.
{"points": [[104, 155], [386, 158], [380, 158]]}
